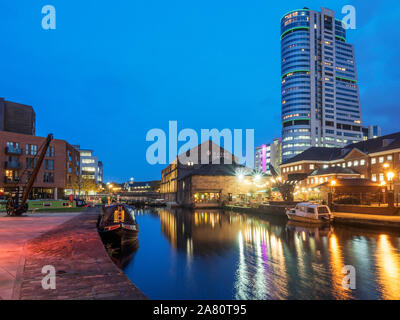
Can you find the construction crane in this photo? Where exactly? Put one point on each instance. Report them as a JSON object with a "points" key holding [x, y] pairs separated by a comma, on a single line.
{"points": [[16, 206]]}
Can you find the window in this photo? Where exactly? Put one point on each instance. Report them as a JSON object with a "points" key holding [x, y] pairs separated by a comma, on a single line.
{"points": [[30, 163], [90, 169], [373, 160], [49, 164], [349, 164], [356, 163], [299, 167], [48, 177], [381, 159], [381, 177], [325, 166], [373, 177], [50, 152], [312, 167], [362, 162], [87, 160], [31, 149], [28, 176], [389, 158]]}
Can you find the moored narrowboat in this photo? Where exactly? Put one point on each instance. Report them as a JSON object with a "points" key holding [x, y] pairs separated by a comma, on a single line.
{"points": [[117, 224]]}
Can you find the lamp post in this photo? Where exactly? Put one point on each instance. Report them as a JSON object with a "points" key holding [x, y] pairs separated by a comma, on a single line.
{"points": [[330, 194], [390, 176]]}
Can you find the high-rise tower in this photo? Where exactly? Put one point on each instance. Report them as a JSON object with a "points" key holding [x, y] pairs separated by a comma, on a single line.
{"points": [[320, 97]]}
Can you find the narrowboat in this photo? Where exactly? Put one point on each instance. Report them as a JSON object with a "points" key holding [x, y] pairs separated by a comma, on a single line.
{"points": [[117, 224]]}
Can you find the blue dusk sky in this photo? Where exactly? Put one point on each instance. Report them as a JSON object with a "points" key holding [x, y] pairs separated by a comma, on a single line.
{"points": [[113, 70]]}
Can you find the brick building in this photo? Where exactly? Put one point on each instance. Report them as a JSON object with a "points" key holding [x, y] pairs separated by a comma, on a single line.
{"points": [[17, 117], [59, 171], [205, 153], [211, 185], [371, 160]]}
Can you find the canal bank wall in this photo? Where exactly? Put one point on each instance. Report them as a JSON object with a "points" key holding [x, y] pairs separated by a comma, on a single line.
{"points": [[357, 219], [84, 271], [276, 211]]}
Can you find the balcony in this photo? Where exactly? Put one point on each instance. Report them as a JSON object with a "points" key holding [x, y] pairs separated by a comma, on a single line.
{"points": [[11, 180], [13, 150], [13, 165]]}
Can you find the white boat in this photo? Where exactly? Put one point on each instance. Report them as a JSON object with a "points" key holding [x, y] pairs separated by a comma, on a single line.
{"points": [[310, 213]]}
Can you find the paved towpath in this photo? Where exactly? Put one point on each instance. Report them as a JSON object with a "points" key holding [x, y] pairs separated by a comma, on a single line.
{"points": [[71, 244], [83, 268], [14, 234]]}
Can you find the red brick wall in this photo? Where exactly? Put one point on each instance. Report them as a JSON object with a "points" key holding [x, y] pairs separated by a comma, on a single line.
{"points": [[60, 159]]}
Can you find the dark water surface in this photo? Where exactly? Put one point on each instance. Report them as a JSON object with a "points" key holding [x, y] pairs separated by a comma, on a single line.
{"points": [[225, 255]]}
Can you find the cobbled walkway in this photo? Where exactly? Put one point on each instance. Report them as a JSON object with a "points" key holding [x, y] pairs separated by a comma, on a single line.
{"points": [[14, 234], [83, 268]]}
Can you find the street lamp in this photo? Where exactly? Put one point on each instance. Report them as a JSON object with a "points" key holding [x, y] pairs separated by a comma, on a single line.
{"points": [[390, 176], [330, 195]]}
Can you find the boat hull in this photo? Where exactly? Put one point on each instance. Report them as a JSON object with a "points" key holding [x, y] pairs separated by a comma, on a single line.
{"points": [[120, 235], [294, 217]]}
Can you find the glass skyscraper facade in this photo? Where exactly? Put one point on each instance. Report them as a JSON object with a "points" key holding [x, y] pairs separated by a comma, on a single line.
{"points": [[319, 91]]}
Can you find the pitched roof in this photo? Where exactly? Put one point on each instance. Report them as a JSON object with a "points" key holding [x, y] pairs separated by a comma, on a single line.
{"points": [[333, 170], [384, 143], [214, 170], [354, 182], [316, 153]]}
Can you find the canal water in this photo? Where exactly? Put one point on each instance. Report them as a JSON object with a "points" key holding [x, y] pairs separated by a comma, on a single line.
{"points": [[224, 255]]}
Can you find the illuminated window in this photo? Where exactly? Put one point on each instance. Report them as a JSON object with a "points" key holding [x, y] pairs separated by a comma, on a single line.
{"points": [[312, 167], [373, 177], [381, 159], [87, 160], [373, 160]]}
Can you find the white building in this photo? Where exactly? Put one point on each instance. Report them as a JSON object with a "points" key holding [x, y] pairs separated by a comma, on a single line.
{"points": [[91, 167]]}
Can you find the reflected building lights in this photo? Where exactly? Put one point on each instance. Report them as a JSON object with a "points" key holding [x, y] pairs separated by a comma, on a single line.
{"points": [[337, 265], [242, 281], [388, 262]]}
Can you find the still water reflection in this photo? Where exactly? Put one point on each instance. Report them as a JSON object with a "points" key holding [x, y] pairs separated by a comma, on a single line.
{"points": [[225, 255]]}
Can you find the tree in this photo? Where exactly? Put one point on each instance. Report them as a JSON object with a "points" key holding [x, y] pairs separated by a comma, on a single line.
{"points": [[286, 191], [85, 185]]}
